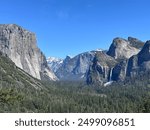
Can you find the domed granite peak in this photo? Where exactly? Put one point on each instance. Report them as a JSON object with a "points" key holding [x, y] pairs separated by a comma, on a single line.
{"points": [[121, 48]]}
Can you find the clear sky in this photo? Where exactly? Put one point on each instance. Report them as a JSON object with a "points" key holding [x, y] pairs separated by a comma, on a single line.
{"points": [[69, 27]]}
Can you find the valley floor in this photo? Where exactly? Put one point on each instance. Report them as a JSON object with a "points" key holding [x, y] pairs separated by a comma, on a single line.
{"points": [[68, 97]]}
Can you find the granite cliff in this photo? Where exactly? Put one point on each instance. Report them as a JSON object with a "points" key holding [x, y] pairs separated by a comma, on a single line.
{"points": [[75, 68], [20, 46], [122, 49], [124, 58], [128, 58]]}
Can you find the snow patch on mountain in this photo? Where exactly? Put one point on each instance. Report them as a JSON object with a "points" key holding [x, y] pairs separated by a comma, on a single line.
{"points": [[54, 63]]}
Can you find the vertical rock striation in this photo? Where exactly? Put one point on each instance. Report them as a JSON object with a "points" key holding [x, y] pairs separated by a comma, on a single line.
{"points": [[101, 69], [20, 46], [125, 58]]}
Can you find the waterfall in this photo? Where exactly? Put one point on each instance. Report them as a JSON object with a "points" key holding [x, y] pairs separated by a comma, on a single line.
{"points": [[110, 74], [109, 82], [126, 68]]}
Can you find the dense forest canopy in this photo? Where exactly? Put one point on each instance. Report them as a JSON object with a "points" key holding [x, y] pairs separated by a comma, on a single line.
{"points": [[130, 96]]}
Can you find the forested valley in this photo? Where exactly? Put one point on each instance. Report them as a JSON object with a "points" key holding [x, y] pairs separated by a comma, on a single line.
{"points": [[131, 96]]}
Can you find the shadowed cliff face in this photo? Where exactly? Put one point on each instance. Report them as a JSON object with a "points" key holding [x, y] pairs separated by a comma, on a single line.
{"points": [[125, 58], [134, 42], [20, 46], [136, 64], [101, 69], [140, 63], [76, 68]]}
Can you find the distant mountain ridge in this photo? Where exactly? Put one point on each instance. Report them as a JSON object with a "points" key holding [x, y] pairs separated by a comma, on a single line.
{"points": [[124, 58], [75, 68], [102, 66], [54, 63]]}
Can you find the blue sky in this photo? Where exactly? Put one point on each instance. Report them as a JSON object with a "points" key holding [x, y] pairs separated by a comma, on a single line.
{"points": [[69, 27]]}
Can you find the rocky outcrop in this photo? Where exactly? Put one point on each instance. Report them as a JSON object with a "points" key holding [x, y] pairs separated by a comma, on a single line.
{"points": [[134, 42], [125, 58], [139, 63], [119, 71], [135, 65], [102, 66], [122, 49], [20, 46], [101, 69]]}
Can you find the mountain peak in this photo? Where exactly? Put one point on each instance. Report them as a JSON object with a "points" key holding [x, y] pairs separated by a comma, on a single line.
{"points": [[119, 40], [51, 59], [54, 63], [132, 39], [121, 48], [68, 57], [144, 54], [12, 26], [147, 43], [99, 49], [146, 47], [134, 42]]}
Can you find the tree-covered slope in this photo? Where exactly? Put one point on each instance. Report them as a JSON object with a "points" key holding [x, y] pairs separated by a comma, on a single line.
{"points": [[19, 92]]}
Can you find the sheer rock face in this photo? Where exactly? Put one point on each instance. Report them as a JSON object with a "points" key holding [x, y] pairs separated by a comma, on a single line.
{"points": [[133, 66], [20, 46], [125, 58], [101, 69], [140, 63], [120, 70], [129, 58], [122, 49], [75, 68]]}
